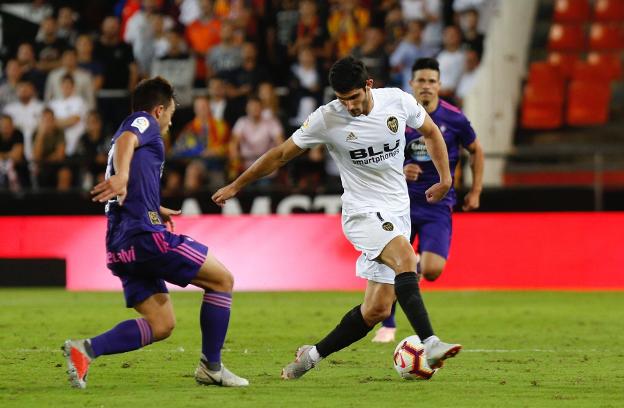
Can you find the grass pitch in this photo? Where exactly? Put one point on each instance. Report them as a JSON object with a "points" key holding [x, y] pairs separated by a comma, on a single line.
{"points": [[525, 349]]}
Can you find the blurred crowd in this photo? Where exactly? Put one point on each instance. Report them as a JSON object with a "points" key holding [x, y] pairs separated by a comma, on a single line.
{"points": [[247, 73]]}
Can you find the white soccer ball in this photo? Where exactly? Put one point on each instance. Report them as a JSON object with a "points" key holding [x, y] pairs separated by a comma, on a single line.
{"points": [[410, 360]]}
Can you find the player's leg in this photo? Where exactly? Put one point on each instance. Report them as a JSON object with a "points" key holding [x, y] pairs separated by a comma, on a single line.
{"points": [[355, 325], [435, 240], [400, 256], [432, 265], [214, 317], [157, 323]]}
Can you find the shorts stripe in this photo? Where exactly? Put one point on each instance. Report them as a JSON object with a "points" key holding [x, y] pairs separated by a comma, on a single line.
{"points": [[186, 255], [184, 249], [193, 250], [159, 242]]}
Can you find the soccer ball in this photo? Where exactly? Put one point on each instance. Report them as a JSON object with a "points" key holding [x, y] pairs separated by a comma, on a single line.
{"points": [[410, 360]]}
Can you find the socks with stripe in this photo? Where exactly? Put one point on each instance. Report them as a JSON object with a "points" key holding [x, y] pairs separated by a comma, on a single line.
{"points": [[408, 294], [126, 336], [214, 319]]}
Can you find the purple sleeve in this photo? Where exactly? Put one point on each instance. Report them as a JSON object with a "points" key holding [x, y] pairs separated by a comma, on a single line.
{"points": [[467, 134], [144, 127]]}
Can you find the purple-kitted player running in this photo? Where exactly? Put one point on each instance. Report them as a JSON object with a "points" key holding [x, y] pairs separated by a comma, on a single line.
{"points": [[144, 254], [432, 222]]}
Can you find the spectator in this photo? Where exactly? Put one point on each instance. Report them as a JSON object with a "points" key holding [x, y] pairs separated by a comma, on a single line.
{"points": [[409, 50], [49, 154], [204, 33], [394, 29], [82, 79], [28, 65], [227, 56], [305, 87], [309, 32], [120, 70], [469, 23], [242, 81], [8, 86], [452, 61], [270, 101], [253, 136], [25, 112], [220, 108], [48, 46], [346, 25], [84, 55], [372, 53], [92, 151], [70, 111], [469, 77], [210, 138], [65, 23], [140, 33], [430, 12], [176, 47], [11, 154]]}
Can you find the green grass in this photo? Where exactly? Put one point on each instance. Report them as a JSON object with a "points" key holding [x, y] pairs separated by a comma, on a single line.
{"points": [[522, 349]]}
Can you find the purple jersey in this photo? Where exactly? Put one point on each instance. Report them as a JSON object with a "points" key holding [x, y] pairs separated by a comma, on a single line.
{"points": [[140, 210], [457, 131]]}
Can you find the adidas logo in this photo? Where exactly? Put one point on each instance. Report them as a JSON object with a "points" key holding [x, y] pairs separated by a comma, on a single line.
{"points": [[351, 137]]}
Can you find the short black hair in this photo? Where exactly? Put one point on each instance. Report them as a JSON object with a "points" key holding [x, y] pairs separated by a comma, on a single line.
{"points": [[426, 63], [150, 93], [348, 74]]}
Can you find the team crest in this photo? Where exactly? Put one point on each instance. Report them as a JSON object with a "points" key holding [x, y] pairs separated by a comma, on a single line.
{"points": [[387, 226], [154, 218], [393, 124]]}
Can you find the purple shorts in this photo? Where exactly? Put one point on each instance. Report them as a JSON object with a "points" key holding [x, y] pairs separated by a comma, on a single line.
{"points": [[145, 261], [433, 225]]}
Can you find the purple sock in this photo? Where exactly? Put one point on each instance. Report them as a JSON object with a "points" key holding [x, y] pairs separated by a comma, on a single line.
{"points": [[214, 318], [126, 336], [389, 322]]}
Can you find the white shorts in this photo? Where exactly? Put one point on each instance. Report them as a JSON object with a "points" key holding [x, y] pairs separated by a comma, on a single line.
{"points": [[370, 233]]}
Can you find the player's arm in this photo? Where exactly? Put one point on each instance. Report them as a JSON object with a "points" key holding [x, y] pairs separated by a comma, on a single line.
{"points": [[115, 185], [265, 165], [472, 199], [436, 147]]}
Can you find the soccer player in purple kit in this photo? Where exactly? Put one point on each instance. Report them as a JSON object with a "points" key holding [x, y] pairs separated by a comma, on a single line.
{"points": [[144, 254], [432, 222]]}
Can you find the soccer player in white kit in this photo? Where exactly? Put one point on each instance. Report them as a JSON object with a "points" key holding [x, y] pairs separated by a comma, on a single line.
{"points": [[364, 131]]}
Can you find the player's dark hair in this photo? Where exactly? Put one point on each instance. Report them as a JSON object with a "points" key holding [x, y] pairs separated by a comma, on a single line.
{"points": [[426, 63], [348, 74], [150, 93]]}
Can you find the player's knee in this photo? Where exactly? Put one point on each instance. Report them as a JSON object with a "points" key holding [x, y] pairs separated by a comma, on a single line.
{"points": [[431, 274], [225, 282], [374, 314], [406, 263], [163, 329]]}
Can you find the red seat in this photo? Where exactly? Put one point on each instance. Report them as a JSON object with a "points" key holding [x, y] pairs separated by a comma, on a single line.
{"points": [[588, 103], [608, 62], [609, 10], [606, 37], [542, 107], [566, 37], [571, 11], [587, 72], [564, 62], [541, 72]]}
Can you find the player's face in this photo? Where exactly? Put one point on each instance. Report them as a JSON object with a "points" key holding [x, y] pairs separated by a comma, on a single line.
{"points": [[426, 85], [164, 120], [357, 101]]}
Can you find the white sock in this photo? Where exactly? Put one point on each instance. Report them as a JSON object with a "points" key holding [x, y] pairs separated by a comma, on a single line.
{"points": [[314, 355], [430, 338]]}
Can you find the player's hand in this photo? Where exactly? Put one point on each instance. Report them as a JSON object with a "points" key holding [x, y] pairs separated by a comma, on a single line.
{"points": [[412, 171], [224, 193], [115, 186], [167, 216], [471, 201], [437, 192]]}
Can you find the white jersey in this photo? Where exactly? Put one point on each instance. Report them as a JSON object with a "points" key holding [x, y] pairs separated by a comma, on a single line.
{"points": [[368, 149]]}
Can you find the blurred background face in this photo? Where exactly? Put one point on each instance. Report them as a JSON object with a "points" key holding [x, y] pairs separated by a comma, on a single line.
{"points": [[6, 126], [67, 88], [265, 92], [110, 27], [306, 58], [201, 107], [414, 30], [216, 88], [48, 26], [25, 53], [47, 119], [472, 60], [65, 17], [426, 85], [307, 8], [94, 123], [69, 60], [227, 31], [254, 109], [452, 37], [84, 45], [25, 91], [373, 37], [206, 7], [13, 70]]}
